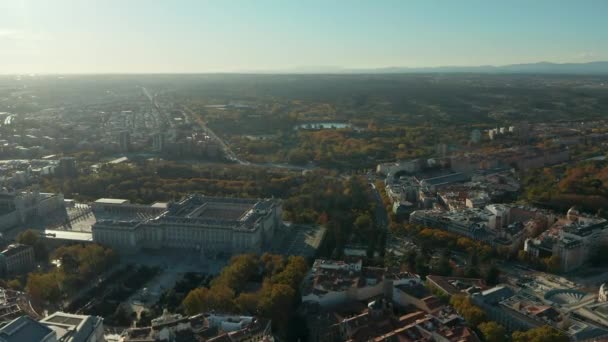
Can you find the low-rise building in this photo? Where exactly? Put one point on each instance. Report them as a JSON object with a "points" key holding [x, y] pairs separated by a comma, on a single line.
{"points": [[24, 328], [494, 224], [521, 157], [378, 322], [75, 328], [202, 327], [16, 259], [58, 327], [408, 166], [538, 302], [571, 239], [331, 283], [470, 222], [603, 293], [455, 285]]}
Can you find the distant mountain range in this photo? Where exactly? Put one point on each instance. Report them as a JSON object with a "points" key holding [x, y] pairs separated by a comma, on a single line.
{"points": [[591, 68]]}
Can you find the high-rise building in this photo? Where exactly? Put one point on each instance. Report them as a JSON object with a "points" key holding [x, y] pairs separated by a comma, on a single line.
{"points": [[476, 136], [67, 167], [124, 141], [158, 142]]}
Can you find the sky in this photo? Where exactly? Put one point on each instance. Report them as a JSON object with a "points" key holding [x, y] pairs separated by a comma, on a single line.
{"points": [[182, 36]]}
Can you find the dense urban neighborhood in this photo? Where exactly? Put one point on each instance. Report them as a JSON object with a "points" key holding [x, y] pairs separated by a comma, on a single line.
{"points": [[393, 207]]}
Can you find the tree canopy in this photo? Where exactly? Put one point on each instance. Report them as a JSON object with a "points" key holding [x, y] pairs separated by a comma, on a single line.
{"points": [[493, 332], [543, 333], [276, 299]]}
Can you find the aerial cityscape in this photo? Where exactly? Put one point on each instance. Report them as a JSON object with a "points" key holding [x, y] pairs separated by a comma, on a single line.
{"points": [[303, 171]]}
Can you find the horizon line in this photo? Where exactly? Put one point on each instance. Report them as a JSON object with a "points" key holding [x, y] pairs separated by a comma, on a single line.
{"points": [[338, 70]]}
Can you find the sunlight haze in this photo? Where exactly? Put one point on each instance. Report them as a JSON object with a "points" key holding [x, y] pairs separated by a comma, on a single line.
{"points": [[73, 36]]}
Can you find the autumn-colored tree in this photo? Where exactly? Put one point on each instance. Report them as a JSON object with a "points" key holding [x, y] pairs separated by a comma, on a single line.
{"points": [[28, 237], [44, 286], [193, 303], [272, 263], [204, 299], [493, 332], [275, 301], [471, 313], [14, 284], [363, 222], [85, 260], [543, 333], [32, 238], [238, 272], [248, 302], [294, 272]]}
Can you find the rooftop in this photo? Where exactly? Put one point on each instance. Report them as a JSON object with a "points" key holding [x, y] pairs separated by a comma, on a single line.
{"points": [[112, 201], [14, 249], [455, 285], [24, 329], [333, 276], [69, 235], [70, 327], [230, 213]]}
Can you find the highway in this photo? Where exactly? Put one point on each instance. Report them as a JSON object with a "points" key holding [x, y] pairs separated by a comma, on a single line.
{"points": [[381, 216], [162, 118], [230, 154], [227, 150]]}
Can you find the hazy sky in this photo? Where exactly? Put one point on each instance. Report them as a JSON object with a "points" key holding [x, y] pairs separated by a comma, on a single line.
{"points": [[71, 36]]}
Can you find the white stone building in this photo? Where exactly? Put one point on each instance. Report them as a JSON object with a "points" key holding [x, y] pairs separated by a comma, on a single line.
{"points": [[205, 224], [19, 207]]}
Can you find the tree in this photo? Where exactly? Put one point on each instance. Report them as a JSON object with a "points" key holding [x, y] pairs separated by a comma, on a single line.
{"points": [[121, 317], [493, 332], [14, 284], [272, 263], [492, 275], [28, 237], [363, 222], [410, 259], [442, 266], [238, 272], [218, 298], [294, 272], [298, 157], [596, 183], [69, 264], [145, 319], [277, 299], [469, 311], [297, 329], [32, 238], [553, 264], [277, 302], [543, 333], [193, 303], [471, 272], [323, 218], [44, 286], [247, 302], [422, 267]]}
